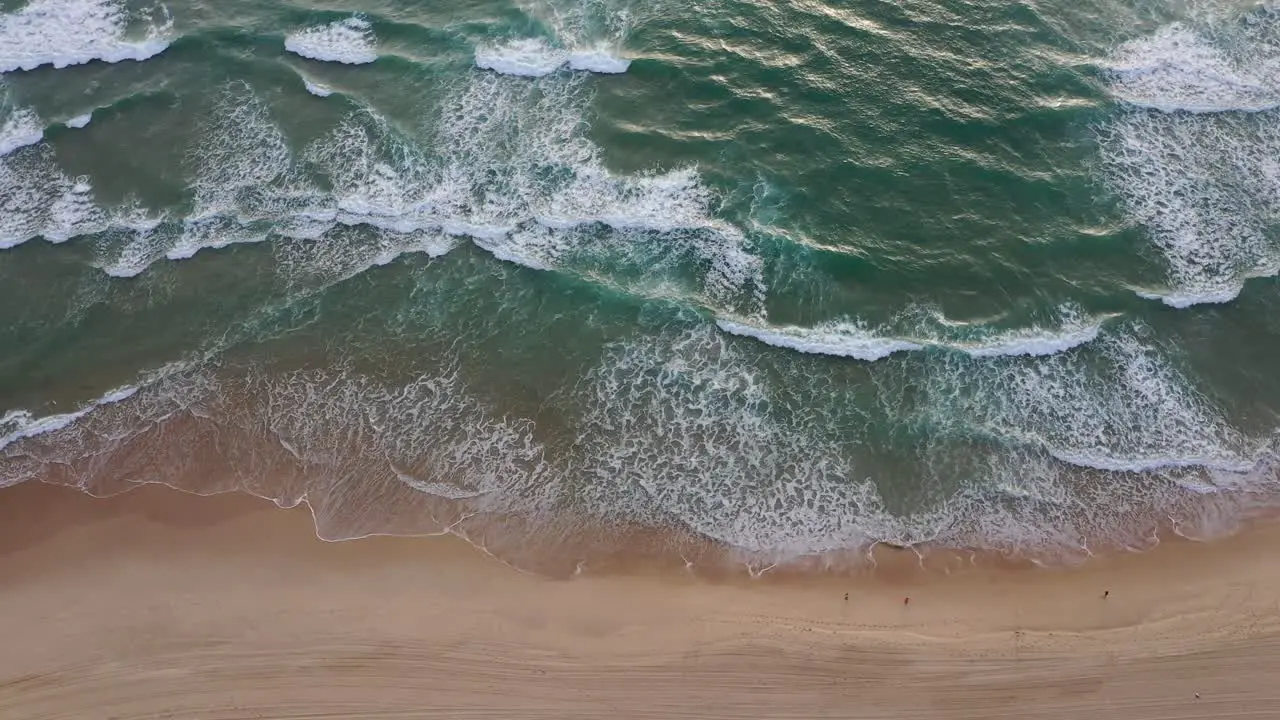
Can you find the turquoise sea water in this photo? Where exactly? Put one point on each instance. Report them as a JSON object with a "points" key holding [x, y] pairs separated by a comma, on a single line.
{"points": [[793, 277]]}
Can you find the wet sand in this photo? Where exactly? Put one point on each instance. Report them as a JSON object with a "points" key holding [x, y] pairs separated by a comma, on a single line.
{"points": [[157, 604]]}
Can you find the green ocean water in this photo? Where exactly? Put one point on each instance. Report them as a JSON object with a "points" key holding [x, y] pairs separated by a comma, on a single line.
{"points": [[793, 277]]}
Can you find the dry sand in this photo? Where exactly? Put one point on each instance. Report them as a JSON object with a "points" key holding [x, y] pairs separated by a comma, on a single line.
{"points": [[160, 605]]}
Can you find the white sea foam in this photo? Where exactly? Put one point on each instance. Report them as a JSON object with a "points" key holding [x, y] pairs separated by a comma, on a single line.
{"points": [[1205, 185], [1057, 454], [1180, 300], [38, 200], [666, 202], [289, 437], [1075, 330], [857, 340], [468, 453], [531, 57], [536, 247], [349, 41], [20, 128], [71, 32], [246, 189], [599, 60], [137, 249], [129, 245], [1207, 190], [74, 213], [1121, 407], [213, 233], [1179, 69], [842, 339], [535, 57], [317, 89], [79, 121], [18, 425], [345, 252], [243, 189], [591, 32], [510, 167], [684, 426], [245, 181]]}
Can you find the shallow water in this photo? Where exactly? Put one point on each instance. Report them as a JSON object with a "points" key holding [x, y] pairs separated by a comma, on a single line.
{"points": [[557, 275]]}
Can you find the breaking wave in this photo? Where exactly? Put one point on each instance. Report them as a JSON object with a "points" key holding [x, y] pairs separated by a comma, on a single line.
{"points": [[919, 331], [350, 41], [21, 127], [687, 429], [73, 32], [79, 121], [533, 57], [1204, 184], [510, 167], [38, 200]]}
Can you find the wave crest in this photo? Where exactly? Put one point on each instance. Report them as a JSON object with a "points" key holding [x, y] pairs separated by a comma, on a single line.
{"points": [[73, 32], [1205, 184], [920, 330], [534, 57], [350, 41]]}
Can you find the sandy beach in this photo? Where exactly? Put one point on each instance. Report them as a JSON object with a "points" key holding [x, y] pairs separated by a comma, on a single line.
{"points": [[156, 604]]}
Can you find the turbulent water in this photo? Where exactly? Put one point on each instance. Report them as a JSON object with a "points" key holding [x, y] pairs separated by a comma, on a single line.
{"points": [[568, 277]]}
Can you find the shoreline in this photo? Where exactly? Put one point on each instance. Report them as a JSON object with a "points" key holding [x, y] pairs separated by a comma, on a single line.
{"points": [[156, 601]]}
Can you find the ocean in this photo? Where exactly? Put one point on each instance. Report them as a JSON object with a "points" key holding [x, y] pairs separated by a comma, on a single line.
{"points": [[767, 280]]}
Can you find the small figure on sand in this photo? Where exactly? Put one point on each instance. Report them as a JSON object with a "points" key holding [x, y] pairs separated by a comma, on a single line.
{"points": [[1106, 594], [906, 600], [846, 597]]}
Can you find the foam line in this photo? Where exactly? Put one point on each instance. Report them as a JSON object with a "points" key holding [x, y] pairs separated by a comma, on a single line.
{"points": [[856, 340], [18, 425]]}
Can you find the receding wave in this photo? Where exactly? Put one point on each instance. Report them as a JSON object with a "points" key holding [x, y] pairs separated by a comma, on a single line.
{"points": [[18, 425], [1121, 408], [372, 394], [686, 427]]}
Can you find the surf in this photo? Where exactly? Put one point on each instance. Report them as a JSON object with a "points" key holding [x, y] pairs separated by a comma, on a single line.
{"points": [[918, 329], [350, 41], [534, 57], [63, 33], [1191, 162]]}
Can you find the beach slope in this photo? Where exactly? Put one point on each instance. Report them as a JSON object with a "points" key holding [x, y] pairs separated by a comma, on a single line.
{"points": [[156, 604]]}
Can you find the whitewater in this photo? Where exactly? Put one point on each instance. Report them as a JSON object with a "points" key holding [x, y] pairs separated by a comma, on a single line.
{"points": [[550, 277]]}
